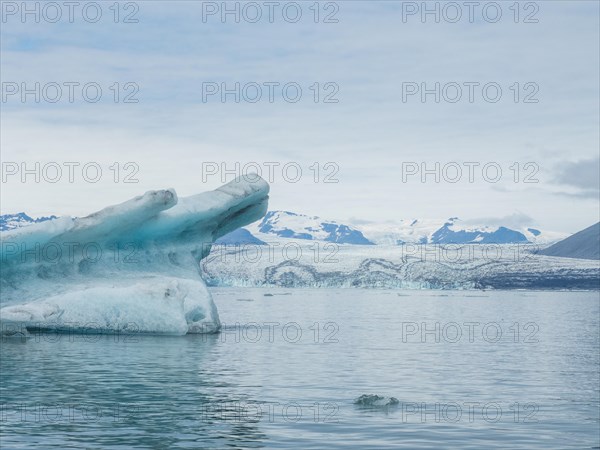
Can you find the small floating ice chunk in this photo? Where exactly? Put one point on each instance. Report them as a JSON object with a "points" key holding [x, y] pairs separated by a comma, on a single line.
{"points": [[375, 400]]}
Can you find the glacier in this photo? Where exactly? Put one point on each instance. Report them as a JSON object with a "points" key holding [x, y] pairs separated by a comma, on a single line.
{"points": [[129, 267], [300, 263]]}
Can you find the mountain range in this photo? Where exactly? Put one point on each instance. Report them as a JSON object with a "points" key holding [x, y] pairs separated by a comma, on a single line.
{"points": [[12, 221], [289, 225], [286, 224]]}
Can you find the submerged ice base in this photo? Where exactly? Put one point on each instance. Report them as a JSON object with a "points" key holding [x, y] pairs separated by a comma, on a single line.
{"points": [[130, 266]]}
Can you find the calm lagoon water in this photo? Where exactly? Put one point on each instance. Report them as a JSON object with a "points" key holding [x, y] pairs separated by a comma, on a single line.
{"points": [[470, 370]]}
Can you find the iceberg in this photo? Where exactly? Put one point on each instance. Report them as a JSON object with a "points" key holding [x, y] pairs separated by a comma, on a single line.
{"points": [[129, 267]]}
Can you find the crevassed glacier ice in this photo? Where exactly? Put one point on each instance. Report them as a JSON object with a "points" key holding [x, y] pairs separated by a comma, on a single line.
{"points": [[132, 266]]}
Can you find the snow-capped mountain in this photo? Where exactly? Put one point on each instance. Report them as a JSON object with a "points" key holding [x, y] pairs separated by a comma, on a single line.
{"points": [[285, 224], [454, 231], [12, 221], [402, 232]]}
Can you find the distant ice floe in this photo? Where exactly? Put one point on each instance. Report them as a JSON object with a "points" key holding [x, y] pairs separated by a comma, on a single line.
{"points": [[132, 266]]}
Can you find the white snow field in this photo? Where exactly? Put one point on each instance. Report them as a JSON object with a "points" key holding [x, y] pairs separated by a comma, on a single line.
{"points": [[132, 266]]}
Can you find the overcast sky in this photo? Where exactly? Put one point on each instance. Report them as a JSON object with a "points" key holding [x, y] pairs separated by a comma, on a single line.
{"points": [[367, 141]]}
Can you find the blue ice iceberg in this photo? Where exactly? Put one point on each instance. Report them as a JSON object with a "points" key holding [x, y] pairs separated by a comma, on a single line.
{"points": [[132, 266]]}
